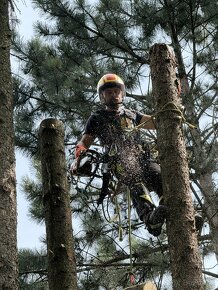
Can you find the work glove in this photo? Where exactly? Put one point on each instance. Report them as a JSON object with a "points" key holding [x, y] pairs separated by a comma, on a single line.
{"points": [[79, 149], [156, 219]]}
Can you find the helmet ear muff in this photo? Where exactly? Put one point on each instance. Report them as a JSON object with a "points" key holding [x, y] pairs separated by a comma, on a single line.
{"points": [[101, 97]]}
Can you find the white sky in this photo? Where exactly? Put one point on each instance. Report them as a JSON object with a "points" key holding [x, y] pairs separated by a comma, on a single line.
{"points": [[29, 233]]}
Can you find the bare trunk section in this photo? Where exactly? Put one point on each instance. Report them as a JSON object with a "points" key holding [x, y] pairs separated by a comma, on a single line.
{"points": [[182, 235], [202, 159], [8, 210], [60, 250]]}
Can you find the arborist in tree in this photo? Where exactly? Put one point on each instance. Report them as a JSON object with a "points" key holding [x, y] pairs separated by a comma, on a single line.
{"points": [[125, 154]]}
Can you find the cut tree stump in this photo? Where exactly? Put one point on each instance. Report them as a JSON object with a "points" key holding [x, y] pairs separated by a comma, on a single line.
{"points": [[145, 286]]}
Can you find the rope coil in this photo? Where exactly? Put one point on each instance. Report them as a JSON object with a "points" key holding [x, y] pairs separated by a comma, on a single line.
{"points": [[165, 108], [176, 109]]}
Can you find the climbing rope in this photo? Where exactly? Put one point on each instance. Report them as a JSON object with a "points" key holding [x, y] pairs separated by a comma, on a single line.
{"points": [[131, 275], [176, 109], [170, 106], [115, 218]]}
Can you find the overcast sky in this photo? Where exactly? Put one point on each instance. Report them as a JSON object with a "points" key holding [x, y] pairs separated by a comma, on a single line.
{"points": [[29, 233]]}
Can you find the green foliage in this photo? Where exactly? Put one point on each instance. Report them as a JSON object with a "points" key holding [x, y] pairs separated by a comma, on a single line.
{"points": [[32, 270], [33, 191], [34, 194]]}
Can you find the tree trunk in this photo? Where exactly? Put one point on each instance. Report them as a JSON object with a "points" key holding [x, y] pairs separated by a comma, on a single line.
{"points": [[58, 219], [202, 169], [182, 235], [8, 210]]}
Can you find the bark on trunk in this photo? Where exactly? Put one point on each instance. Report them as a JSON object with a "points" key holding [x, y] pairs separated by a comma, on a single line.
{"points": [[58, 218], [8, 210], [206, 181], [182, 235]]}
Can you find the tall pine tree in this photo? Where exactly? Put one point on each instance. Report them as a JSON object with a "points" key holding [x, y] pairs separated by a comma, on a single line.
{"points": [[8, 210]]}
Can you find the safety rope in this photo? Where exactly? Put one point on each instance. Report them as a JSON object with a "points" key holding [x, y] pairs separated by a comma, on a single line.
{"points": [[175, 109], [166, 108], [131, 275], [120, 230], [108, 219], [115, 218]]}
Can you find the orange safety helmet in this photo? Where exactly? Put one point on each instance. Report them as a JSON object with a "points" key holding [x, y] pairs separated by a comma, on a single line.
{"points": [[110, 81]]}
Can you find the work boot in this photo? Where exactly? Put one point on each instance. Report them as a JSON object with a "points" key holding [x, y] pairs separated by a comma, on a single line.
{"points": [[155, 220], [199, 222]]}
